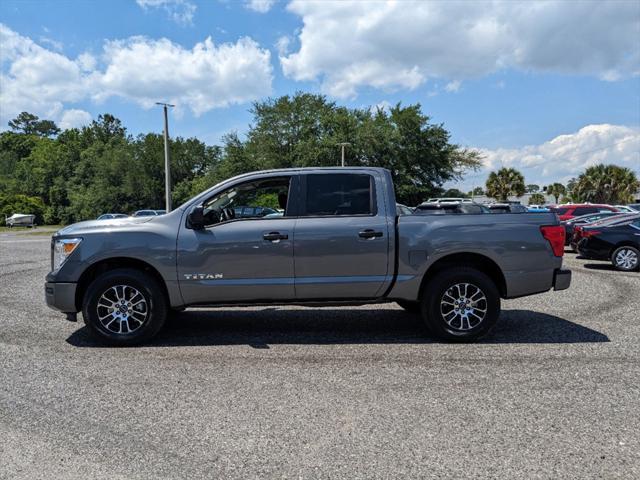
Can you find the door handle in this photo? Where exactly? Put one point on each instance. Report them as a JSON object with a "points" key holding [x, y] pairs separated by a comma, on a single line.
{"points": [[369, 233], [275, 236]]}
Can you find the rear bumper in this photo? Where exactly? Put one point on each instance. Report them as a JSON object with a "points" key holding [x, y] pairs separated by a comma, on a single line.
{"points": [[61, 296], [561, 279]]}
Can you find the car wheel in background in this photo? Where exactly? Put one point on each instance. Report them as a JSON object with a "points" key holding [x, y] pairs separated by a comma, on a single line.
{"points": [[626, 258], [460, 304], [124, 307]]}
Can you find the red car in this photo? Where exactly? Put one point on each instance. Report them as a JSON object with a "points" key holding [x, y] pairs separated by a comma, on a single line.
{"points": [[570, 210]]}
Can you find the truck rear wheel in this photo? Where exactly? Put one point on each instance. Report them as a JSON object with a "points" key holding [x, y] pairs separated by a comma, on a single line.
{"points": [[124, 307], [460, 304]]}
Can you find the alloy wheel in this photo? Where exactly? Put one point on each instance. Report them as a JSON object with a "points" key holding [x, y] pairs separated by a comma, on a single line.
{"points": [[626, 259], [122, 309], [463, 306]]}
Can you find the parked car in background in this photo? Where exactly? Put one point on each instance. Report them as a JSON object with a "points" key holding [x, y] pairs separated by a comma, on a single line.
{"points": [[442, 208], [570, 210], [635, 206], [20, 220], [618, 242], [147, 213], [507, 208], [160, 212], [250, 212], [537, 208], [626, 208], [403, 209], [449, 200], [569, 225], [579, 230], [110, 216]]}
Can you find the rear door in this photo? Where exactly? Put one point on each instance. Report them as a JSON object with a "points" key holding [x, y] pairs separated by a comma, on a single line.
{"points": [[342, 236]]}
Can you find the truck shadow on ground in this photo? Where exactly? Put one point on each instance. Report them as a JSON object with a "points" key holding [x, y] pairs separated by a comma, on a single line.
{"points": [[260, 328]]}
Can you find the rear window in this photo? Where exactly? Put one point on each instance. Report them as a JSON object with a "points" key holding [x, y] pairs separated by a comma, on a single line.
{"points": [[339, 194], [585, 210], [560, 211]]}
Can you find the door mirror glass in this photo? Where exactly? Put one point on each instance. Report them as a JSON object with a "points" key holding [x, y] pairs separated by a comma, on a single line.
{"points": [[196, 218]]}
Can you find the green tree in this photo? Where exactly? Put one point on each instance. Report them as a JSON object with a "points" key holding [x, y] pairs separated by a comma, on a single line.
{"points": [[30, 124], [532, 188], [478, 191], [537, 199], [505, 182], [305, 130], [556, 189], [606, 184], [454, 192]]}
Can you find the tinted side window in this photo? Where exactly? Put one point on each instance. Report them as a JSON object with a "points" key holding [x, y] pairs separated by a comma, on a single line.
{"points": [[585, 210], [560, 211], [339, 194]]}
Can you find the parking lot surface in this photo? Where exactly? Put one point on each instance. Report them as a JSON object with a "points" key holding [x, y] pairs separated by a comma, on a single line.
{"points": [[358, 392]]}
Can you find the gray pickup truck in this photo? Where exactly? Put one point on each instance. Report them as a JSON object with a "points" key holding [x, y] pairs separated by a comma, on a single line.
{"points": [[336, 238]]}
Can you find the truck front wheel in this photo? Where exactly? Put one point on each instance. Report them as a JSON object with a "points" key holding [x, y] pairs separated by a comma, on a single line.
{"points": [[460, 304], [124, 307]]}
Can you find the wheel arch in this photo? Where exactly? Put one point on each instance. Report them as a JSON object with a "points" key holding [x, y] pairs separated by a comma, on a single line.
{"points": [[472, 260], [108, 264], [623, 243]]}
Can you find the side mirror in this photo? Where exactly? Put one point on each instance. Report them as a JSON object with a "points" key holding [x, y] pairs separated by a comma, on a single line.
{"points": [[196, 218]]}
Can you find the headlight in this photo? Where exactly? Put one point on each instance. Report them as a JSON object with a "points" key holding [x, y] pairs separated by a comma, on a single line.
{"points": [[62, 249]]}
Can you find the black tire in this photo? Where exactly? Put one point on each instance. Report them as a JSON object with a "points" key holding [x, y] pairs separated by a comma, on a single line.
{"points": [[632, 258], [111, 285], [409, 306], [463, 326]]}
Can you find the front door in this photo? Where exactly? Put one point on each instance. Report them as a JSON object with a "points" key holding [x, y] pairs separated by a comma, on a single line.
{"points": [[240, 258], [341, 238]]}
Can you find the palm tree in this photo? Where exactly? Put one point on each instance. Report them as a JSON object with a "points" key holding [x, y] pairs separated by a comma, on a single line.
{"points": [[505, 182], [606, 184], [537, 199], [556, 189]]}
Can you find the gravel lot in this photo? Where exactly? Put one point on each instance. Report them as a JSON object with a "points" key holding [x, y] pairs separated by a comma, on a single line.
{"points": [[323, 393]]}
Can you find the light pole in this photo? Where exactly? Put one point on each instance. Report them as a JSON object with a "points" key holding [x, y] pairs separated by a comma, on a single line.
{"points": [[167, 167], [343, 144]]}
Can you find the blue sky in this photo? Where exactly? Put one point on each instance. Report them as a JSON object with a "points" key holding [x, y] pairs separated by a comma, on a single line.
{"points": [[548, 88]]}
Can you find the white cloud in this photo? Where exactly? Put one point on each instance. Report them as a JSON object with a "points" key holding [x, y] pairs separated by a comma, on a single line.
{"points": [[203, 78], [453, 86], [52, 43], [180, 11], [35, 79], [282, 45], [138, 69], [74, 119], [349, 45], [260, 6], [565, 156]]}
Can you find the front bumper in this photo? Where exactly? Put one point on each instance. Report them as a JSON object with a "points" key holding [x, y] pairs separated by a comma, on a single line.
{"points": [[61, 296], [561, 279]]}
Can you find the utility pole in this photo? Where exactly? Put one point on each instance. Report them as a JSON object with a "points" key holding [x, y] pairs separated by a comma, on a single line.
{"points": [[167, 167], [343, 144]]}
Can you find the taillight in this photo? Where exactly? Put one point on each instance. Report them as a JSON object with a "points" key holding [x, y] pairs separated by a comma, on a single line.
{"points": [[555, 236], [590, 233]]}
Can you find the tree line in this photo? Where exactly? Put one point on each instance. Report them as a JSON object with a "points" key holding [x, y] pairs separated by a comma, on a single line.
{"points": [[77, 174], [608, 184]]}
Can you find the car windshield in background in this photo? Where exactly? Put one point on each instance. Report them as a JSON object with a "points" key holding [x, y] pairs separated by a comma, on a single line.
{"points": [[616, 219], [590, 217]]}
